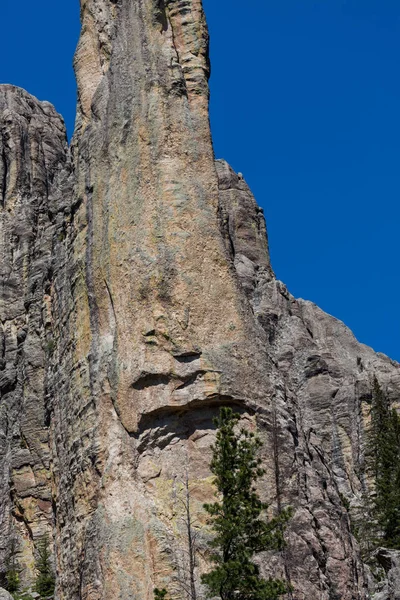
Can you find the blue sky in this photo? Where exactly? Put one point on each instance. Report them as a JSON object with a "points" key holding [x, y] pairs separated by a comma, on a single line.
{"points": [[305, 103]]}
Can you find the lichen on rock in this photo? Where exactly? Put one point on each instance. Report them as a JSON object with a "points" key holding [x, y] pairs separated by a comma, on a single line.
{"points": [[137, 297]]}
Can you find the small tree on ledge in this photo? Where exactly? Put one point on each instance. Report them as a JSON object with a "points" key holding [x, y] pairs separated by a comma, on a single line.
{"points": [[240, 532], [12, 568], [45, 580]]}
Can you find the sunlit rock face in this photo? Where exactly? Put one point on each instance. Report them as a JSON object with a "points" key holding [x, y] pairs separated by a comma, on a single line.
{"points": [[137, 297]]}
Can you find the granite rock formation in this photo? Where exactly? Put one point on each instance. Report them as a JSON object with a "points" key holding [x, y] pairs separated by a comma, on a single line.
{"points": [[4, 595], [137, 296], [33, 168], [388, 587]]}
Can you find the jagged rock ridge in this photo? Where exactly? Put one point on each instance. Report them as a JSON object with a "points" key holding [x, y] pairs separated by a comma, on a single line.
{"points": [[137, 296]]}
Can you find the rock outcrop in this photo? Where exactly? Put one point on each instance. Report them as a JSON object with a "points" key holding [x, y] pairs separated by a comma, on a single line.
{"points": [[327, 380], [137, 296], [4, 595], [33, 168], [388, 586]]}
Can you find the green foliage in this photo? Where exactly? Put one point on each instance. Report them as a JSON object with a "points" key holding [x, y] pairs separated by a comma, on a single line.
{"points": [[383, 464], [23, 595], [13, 581], [160, 594], [12, 568], [345, 502], [45, 580], [51, 346], [240, 533]]}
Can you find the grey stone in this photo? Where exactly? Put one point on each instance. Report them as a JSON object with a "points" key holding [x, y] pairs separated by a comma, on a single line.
{"points": [[136, 297], [389, 587], [33, 166], [327, 378]]}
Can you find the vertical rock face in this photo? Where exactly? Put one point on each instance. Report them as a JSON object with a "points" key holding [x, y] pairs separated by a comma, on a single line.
{"points": [[33, 166], [160, 334], [138, 302]]}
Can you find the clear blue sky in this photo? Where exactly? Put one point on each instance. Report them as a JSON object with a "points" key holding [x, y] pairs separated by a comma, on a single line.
{"points": [[306, 103]]}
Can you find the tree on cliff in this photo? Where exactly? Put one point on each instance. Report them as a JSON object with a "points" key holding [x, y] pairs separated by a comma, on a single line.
{"points": [[185, 562], [12, 568], [45, 580], [240, 532], [186, 566], [383, 463]]}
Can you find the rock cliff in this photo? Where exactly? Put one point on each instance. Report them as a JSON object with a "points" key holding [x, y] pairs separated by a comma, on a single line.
{"points": [[137, 296], [33, 171]]}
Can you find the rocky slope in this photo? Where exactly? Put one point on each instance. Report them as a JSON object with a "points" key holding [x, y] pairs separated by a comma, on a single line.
{"points": [[137, 296]]}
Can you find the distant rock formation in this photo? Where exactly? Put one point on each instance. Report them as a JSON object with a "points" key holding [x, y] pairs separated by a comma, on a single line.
{"points": [[136, 297]]}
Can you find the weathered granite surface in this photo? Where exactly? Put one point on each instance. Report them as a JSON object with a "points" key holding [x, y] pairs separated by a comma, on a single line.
{"points": [[137, 296], [33, 165], [389, 586], [4, 595]]}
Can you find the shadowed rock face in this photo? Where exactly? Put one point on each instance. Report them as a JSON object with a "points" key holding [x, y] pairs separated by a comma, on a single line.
{"points": [[137, 297], [34, 172]]}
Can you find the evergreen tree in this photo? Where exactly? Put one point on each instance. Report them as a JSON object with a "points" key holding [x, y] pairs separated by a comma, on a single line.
{"points": [[391, 503], [45, 580], [383, 463], [240, 532], [160, 594], [12, 568]]}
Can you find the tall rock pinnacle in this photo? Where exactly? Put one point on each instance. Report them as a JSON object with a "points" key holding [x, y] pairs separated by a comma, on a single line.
{"points": [[161, 331], [136, 298]]}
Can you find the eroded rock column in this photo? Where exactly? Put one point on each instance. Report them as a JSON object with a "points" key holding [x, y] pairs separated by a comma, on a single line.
{"points": [[160, 334]]}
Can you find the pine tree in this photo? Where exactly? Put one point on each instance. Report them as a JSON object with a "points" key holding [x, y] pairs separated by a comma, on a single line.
{"points": [[383, 463], [160, 594], [12, 568], [240, 532], [391, 503], [45, 580]]}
